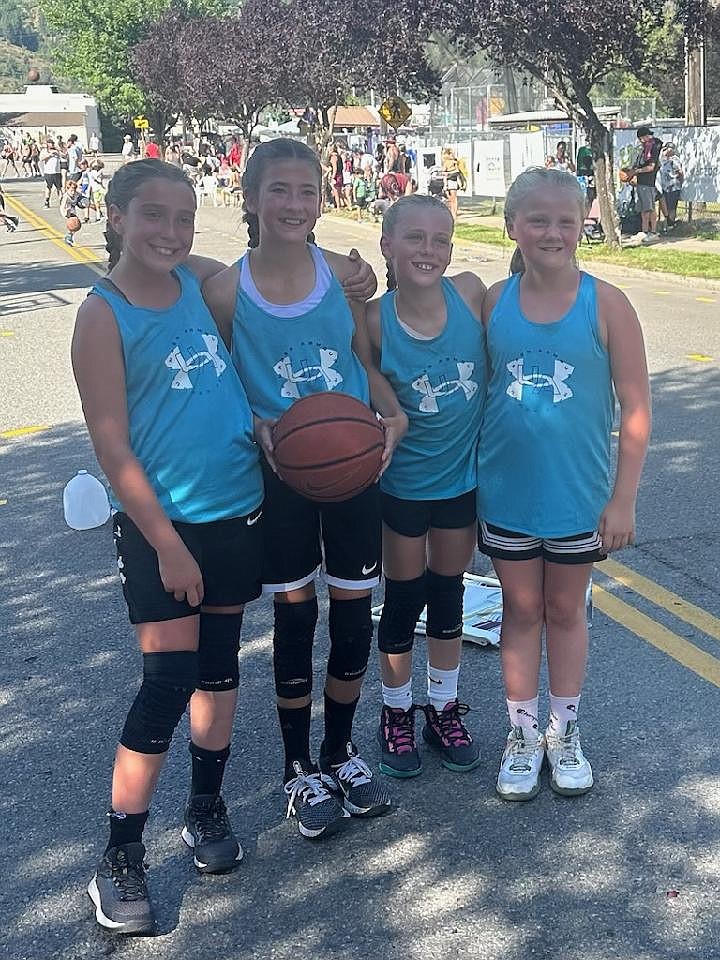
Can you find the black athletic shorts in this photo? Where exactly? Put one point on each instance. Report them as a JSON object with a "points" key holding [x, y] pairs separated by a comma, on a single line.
{"points": [[54, 180], [508, 545], [413, 518], [299, 533], [228, 552]]}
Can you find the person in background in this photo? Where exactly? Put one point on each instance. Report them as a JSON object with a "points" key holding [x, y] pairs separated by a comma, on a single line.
{"points": [[128, 149], [646, 167], [672, 177], [94, 144], [152, 150], [562, 159]]}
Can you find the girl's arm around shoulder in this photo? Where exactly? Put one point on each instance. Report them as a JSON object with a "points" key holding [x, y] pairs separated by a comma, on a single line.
{"points": [[620, 330], [204, 267], [219, 291], [354, 274], [366, 345], [490, 300], [103, 395], [472, 290]]}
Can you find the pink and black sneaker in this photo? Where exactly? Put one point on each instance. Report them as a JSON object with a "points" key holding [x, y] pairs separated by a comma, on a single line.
{"points": [[445, 732], [396, 736]]}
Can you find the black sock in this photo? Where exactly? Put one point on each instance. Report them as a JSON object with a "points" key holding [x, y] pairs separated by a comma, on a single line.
{"points": [[295, 729], [208, 767], [338, 724], [126, 828]]}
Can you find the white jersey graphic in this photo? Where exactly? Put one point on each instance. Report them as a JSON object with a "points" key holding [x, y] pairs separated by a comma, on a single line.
{"points": [[176, 361], [308, 373], [429, 402], [540, 381]]}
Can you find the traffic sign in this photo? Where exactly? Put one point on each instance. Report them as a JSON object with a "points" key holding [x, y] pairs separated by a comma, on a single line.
{"points": [[141, 123], [395, 112]]}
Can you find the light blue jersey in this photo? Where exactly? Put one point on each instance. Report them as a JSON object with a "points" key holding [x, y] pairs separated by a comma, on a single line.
{"points": [[283, 358], [189, 419], [440, 384], [544, 453]]}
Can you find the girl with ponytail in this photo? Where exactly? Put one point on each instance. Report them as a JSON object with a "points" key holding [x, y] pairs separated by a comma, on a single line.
{"points": [[428, 341], [172, 430], [284, 311], [561, 346]]}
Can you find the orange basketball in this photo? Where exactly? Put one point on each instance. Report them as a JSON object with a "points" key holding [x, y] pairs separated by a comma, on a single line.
{"points": [[73, 224], [328, 446], [626, 174]]}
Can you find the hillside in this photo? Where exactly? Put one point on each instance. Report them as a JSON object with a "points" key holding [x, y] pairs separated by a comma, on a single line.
{"points": [[15, 63]]}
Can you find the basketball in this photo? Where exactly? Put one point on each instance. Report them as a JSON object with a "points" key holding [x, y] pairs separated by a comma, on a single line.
{"points": [[328, 447], [73, 224], [626, 174], [33, 75]]}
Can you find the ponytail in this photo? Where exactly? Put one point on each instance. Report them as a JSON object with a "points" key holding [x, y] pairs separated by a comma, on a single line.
{"points": [[390, 279], [517, 264], [253, 226], [113, 245]]}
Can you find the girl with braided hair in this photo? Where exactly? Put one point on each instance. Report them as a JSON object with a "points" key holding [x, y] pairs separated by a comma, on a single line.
{"points": [[428, 340], [291, 330]]}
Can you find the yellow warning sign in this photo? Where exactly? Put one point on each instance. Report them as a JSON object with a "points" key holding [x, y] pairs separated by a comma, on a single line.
{"points": [[395, 112], [141, 123]]}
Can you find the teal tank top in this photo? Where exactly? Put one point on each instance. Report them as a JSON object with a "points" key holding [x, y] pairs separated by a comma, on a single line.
{"points": [[281, 359], [440, 384], [544, 452], [189, 420]]}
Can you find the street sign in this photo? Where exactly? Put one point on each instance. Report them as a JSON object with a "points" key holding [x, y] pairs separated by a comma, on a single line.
{"points": [[395, 112], [141, 123]]}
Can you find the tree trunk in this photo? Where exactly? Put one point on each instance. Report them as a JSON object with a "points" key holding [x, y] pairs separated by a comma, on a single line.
{"points": [[602, 151]]}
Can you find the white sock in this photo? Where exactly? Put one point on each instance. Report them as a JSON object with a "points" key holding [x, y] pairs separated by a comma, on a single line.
{"points": [[524, 713], [442, 686], [563, 710], [399, 698]]}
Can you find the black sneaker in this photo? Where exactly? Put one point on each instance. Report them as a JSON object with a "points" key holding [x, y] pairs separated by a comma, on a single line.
{"points": [[362, 794], [210, 836], [396, 736], [310, 801], [12, 224], [46, 204], [445, 732], [119, 892]]}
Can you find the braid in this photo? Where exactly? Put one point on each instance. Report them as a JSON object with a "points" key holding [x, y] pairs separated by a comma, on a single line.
{"points": [[253, 226], [113, 245], [517, 264], [390, 276], [310, 238]]}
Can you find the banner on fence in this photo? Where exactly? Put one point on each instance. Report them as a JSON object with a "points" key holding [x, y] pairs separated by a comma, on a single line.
{"points": [[526, 150], [697, 148], [489, 172]]}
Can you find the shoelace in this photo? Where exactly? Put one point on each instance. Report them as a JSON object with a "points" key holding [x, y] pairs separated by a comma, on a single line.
{"points": [[568, 746], [521, 752], [354, 771], [210, 821], [452, 729], [311, 788], [400, 728], [129, 879]]}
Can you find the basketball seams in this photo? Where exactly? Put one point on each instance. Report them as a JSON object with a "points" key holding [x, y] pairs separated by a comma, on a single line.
{"points": [[325, 420], [327, 463]]}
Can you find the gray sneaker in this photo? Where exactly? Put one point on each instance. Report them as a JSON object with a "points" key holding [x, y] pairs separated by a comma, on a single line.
{"points": [[311, 802], [522, 759], [118, 890], [362, 794]]}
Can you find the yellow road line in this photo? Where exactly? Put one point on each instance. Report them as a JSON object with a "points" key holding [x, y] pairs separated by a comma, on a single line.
{"points": [[660, 637], [699, 357], [662, 293], [23, 431], [672, 602], [706, 299], [80, 254], [7, 333]]}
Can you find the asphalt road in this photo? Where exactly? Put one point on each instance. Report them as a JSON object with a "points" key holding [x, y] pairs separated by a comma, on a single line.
{"points": [[629, 871]]}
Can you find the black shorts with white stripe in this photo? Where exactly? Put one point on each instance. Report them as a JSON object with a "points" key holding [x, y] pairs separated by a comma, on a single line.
{"points": [[508, 545]]}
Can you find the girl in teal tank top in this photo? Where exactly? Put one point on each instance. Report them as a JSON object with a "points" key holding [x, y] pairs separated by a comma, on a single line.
{"points": [[428, 341], [562, 345], [292, 333]]}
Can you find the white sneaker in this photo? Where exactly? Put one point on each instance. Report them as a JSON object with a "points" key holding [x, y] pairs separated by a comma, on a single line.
{"points": [[570, 772], [519, 774], [650, 238]]}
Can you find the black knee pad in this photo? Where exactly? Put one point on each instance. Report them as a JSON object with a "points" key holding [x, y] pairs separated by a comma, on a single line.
{"points": [[351, 631], [404, 602], [169, 680], [445, 606], [218, 667], [292, 648]]}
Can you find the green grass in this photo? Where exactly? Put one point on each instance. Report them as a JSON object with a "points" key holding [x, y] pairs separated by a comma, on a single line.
{"points": [[666, 260]]}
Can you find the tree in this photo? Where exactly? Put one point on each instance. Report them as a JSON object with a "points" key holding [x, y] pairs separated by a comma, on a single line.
{"points": [[570, 47], [92, 39], [155, 65], [16, 24], [383, 48]]}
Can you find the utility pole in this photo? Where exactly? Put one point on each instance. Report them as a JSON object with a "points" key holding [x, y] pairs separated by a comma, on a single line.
{"points": [[695, 111]]}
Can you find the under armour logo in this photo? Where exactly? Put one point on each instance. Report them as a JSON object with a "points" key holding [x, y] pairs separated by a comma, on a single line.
{"points": [[121, 567], [561, 391], [444, 388], [176, 361], [308, 373]]}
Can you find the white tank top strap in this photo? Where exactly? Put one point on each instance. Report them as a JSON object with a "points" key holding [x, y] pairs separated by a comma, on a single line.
{"points": [[323, 279]]}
